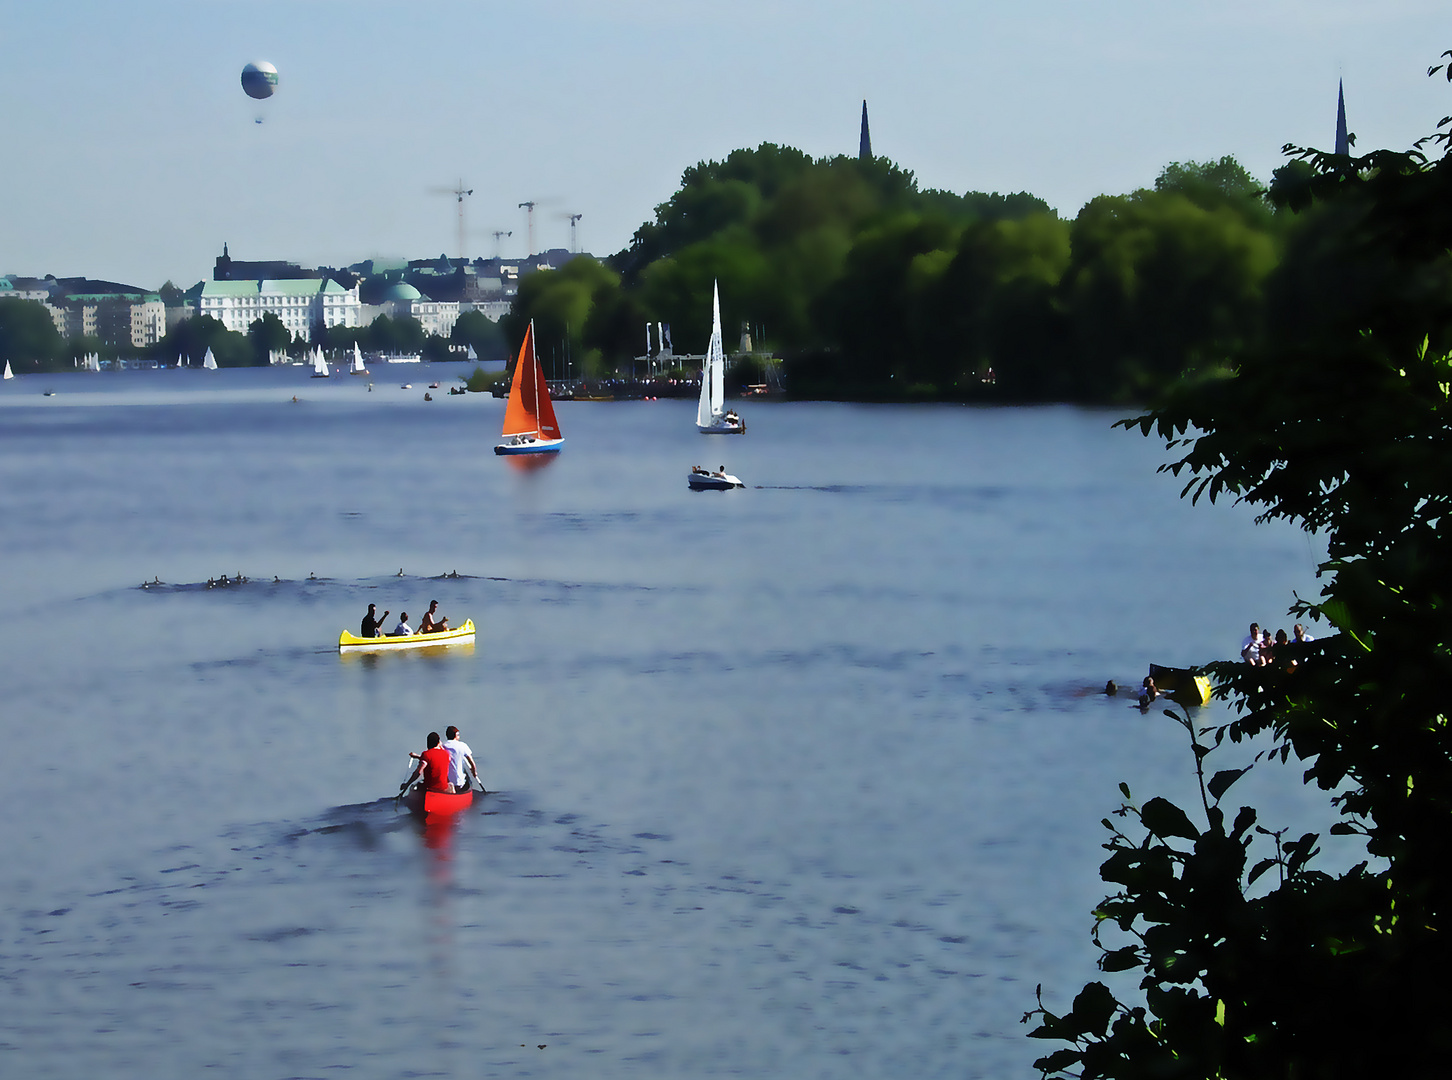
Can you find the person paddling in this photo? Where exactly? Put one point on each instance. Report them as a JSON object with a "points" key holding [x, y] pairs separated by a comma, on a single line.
{"points": [[459, 756], [433, 764], [430, 623], [372, 627]]}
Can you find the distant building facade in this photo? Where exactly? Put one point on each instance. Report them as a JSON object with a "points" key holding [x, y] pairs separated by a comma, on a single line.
{"points": [[300, 304]]}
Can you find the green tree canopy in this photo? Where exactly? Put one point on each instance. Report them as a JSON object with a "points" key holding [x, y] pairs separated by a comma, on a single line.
{"points": [[1254, 962], [28, 337]]}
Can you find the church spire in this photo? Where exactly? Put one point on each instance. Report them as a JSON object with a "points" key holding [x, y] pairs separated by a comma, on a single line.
{"points": [[1343, 140], [864, 149]]}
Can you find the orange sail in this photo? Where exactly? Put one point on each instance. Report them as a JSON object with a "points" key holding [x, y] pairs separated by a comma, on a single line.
{"points": [[530, 411]]}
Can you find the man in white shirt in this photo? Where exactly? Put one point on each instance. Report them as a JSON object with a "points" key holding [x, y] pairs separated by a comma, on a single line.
{"points": [[402, 629], [1301, 635], [1250, 647], [459, 755]]}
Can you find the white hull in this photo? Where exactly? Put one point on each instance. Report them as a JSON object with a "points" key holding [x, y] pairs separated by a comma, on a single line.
{"points": [[710, 482]]}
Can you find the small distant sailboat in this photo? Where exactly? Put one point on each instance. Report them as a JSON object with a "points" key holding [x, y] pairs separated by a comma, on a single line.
{"points": [[320, 365], [530, 426], [181, 361], [93, 362], [357, 368], [209, 362], [8, 373], [712, 416]]}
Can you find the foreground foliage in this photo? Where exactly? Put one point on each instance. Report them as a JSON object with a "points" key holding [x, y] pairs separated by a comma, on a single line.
{"points": [[1253, 961]]}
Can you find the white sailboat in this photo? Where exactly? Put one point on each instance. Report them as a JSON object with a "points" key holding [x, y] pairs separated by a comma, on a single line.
{"points": [[357, 368], [320, 366], [209, 361], [93, 362], [8, 373], [712, 416]]}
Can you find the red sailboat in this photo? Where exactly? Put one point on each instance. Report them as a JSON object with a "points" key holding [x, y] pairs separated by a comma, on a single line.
{"points": [[530, 426]]}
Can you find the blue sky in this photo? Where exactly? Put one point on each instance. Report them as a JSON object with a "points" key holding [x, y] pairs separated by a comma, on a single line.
{"points": [[131, 152]]}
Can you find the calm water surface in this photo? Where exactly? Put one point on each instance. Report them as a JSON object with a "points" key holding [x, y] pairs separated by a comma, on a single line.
{"points": [[798, 781]]}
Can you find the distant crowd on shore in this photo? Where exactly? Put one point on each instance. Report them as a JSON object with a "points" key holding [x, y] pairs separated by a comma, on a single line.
{"points": [[1258, 648]]}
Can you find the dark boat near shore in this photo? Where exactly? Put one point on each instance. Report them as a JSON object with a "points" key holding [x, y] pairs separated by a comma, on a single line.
{"points": [[1185, 685]]}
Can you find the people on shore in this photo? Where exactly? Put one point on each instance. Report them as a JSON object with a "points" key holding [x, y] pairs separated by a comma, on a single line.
{"points": [[1250, 647], [372, 627], [1301, 636]]}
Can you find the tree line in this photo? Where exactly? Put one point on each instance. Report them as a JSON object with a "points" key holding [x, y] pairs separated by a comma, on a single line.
{"points": [[870, 287]]}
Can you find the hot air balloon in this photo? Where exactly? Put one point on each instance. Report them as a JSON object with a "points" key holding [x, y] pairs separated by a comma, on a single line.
{"points": [[259, 79]]}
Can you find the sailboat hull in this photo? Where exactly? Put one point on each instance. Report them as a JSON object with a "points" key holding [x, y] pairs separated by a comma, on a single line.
{"points": [[723, 428], [526, 445]]}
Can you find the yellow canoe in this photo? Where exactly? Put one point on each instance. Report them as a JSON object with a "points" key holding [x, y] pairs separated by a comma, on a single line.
{"points": [[461, 635]]}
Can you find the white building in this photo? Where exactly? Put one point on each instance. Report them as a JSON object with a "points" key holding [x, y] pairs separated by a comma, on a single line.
{"points": [[300, 304]]}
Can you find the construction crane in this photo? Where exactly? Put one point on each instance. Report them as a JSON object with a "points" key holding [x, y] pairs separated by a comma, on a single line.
{"points": [[574, 236], [499, 234], [529, 210], [458, 193]]}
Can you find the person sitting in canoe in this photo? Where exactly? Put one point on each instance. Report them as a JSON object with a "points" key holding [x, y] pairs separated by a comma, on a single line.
{"points": [[402, 629], [430, 624], [433, 764], [459, 756], [372, 627]]}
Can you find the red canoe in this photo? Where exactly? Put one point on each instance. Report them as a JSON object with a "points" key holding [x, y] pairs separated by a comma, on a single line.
{"points": [[429, 803]]}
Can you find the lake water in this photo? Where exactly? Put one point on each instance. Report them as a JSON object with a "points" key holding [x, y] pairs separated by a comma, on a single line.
{"points": [[802, 780]]}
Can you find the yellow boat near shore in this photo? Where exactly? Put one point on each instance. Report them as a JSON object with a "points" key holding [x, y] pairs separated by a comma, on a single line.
{"points": [[1185, 685], [461, 635]]}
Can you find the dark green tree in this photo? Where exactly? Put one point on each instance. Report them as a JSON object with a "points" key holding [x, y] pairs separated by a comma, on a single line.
{"points": [[266, 334], [28, 337], [1253, 961]]}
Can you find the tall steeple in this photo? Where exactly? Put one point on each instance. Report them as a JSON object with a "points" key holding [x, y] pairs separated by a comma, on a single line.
{"points": [[864, 149], [1343, 140]]}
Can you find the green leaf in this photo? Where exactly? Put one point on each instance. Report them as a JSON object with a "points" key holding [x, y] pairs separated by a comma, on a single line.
{"points": [[1164, 818], [1220, 783]]}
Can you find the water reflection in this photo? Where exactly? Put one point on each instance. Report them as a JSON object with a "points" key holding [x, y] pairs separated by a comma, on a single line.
{"points": [[529, 463]]}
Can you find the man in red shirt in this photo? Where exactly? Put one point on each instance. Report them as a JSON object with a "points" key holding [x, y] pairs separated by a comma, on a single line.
{"points": [[433, 763]]}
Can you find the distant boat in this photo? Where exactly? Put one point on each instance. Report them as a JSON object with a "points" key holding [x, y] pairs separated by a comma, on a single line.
{"points": [[93, 362], [181, 361], [357, 368], [703, 480], [209, 362], [320, 366], [712, 416], [530, 426], [403, 358], [8, 373]]}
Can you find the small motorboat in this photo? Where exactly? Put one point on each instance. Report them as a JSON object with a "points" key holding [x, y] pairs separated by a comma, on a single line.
{"points": [[701, 480], [406, 386], [461, 635], [437, 803], [1184, 685]]}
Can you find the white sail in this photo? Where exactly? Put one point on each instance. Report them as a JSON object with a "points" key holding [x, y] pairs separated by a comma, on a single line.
{"points": [[209, 361], [713, 375], [471, 355], [93, 361], [181, 361], [320, 366], [8, 373], [357, 359]]}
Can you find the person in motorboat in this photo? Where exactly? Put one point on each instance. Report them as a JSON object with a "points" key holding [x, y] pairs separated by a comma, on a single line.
{"points": [[721, 472], [402, 629], [430, 624], [459, 756], [700, 471], [433, 766], [372, 627]]}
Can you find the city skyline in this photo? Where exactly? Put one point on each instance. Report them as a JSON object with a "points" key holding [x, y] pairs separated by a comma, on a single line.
{"points": [[134, 154]]}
